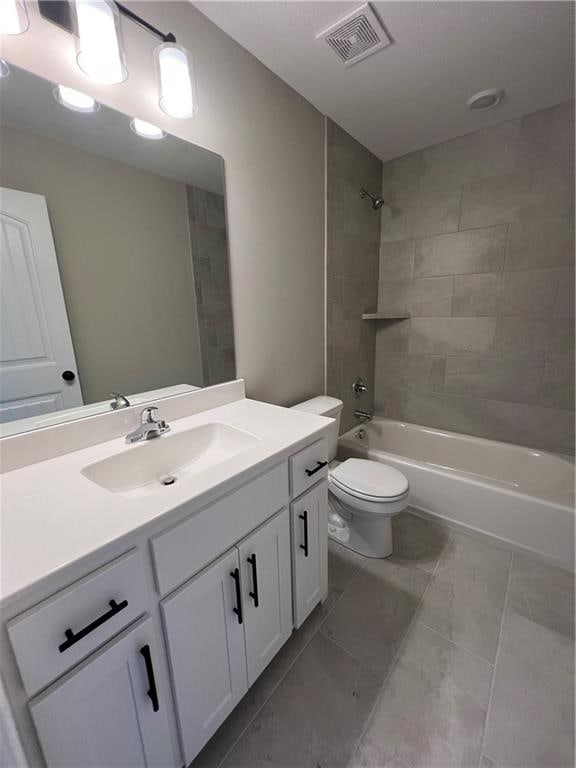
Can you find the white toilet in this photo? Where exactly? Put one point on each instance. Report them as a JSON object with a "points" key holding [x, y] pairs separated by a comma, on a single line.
{"points": [[364, 495]]}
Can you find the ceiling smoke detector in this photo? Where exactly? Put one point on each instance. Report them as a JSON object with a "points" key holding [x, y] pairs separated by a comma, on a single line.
{"points": [[485, 99], [356, 36]]}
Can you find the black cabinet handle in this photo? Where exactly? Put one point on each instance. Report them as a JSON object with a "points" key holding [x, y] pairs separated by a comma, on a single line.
{"points": [[72, 638], [238, 609], [304, 517], [152, 690], [319, 465], [254, 593], [68, 375]]}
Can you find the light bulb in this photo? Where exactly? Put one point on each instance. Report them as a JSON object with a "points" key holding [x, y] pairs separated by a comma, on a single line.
{"points": [[75, 100], [13, 17], [146, 130], [99, 48], [176, 81]]}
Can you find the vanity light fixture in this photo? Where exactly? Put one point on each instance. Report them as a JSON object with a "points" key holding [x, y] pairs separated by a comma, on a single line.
{"points": [[146, 130], [76, 100], [13, 17], [4, 68], [175, 81], [99, 47]]}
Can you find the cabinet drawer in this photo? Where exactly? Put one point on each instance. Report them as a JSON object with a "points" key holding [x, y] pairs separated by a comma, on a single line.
{"points": [[56, 634], [308, 466], [184, 550]]}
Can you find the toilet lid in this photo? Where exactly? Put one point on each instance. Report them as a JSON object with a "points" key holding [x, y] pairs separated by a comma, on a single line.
{"points": [[369, 478]]}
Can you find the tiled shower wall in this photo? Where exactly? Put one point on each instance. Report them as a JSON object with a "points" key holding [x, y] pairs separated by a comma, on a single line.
{"points": [[478, 246], [353, 237], [207, 217]]}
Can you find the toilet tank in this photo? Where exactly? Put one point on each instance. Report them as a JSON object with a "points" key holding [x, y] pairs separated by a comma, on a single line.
{"points": [[332, 409]]}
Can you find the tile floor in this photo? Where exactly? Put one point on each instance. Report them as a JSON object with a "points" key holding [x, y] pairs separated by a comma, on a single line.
{"points": [[453, 652]]}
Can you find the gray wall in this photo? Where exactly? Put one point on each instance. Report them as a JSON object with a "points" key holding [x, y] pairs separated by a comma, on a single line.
{"points": [[353, 236], [478, 246], [272, 141], [207, 217], [123, 249]]}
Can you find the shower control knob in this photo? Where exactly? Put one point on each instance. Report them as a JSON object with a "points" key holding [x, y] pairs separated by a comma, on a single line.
{"points": [[359, 386]]}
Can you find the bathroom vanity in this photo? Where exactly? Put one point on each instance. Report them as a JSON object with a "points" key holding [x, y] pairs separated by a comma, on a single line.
{"points": [[146, 587]]}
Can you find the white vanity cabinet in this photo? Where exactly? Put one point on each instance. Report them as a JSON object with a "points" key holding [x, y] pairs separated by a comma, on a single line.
{"points": [[111, 711], [309, 519], [224, 626]]}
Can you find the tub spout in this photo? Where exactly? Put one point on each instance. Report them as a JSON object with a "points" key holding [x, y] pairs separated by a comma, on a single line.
{"points": [[363, 415]]}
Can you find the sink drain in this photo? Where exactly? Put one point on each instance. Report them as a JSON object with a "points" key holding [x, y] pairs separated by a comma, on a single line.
{"points": [[168, 480]]}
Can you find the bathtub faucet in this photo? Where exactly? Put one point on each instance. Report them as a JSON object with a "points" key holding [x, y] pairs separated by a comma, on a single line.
{"points": [[364, 415]]}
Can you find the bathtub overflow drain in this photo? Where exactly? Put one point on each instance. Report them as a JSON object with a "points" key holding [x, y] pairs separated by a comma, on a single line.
{"points": [[168, 480]]}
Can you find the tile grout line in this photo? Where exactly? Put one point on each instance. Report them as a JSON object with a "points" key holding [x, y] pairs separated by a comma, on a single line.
{"points": [[397, 655], [489, 705], [288, 668], [457, 645]]}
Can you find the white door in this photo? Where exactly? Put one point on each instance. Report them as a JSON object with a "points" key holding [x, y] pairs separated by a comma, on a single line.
{"points": [[205, 633], [309, 550], [111, 712], [267, 592], [35, 343]]}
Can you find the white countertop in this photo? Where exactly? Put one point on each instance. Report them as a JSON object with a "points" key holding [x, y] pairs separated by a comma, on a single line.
{"points": [[52, 516]]}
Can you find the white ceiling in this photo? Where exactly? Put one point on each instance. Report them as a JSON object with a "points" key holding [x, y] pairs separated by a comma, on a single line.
{"points": [[413, 93]]}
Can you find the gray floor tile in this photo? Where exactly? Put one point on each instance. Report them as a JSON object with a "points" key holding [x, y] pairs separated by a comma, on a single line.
{"points": [[343, 565], [531, 718], [241, 717], [465, 600], [372, 617], [431, 713], [543, 593], [315, 717], [417, 541]]}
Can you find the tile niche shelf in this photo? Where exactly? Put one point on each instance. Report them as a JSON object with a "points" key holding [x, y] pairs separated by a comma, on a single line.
{"points": [[383, 316]]}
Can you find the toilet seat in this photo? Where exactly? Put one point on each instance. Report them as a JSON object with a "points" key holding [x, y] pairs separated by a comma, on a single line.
{"points": [[370, 481]]}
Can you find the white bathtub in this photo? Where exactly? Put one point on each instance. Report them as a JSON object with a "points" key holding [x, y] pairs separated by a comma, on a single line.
{"points": [[519, 495]]}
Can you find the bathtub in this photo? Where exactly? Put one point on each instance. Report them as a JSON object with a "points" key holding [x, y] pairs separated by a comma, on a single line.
{"points": [[522, 496]]}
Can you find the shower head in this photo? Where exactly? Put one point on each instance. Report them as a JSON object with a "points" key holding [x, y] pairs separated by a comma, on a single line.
{"points": [[377, 202]]}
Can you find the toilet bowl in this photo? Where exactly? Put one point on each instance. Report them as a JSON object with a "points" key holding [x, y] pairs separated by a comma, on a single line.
{"points": [[363, 495]]}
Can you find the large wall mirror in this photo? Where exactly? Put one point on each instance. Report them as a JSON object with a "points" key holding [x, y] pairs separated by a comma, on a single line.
{"points": [[114, 261]]}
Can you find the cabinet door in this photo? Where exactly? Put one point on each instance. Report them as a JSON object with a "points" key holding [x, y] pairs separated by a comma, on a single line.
{"points": [[309, 516], [267, 592], [110, 712], [205, 634]]}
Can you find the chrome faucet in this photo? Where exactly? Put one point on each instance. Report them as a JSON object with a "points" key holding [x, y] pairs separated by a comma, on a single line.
{"points": [[364, 415], [118, 401], [149, 428]]}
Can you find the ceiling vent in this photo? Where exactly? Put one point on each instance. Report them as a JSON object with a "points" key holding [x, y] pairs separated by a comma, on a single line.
{"points": [[355, 36]]}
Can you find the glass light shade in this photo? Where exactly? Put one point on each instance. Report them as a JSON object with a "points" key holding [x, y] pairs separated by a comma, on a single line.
{"points": [[76, 100], [146, 130], [176, 81], [4, 68], [13, 17], [99, 46]]}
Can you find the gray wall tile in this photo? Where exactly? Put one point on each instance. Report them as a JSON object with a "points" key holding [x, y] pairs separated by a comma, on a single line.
{"points": [[480, 250], [505, 341]]}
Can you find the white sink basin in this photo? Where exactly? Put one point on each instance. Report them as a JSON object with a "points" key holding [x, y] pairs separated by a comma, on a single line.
{"points": [[159, 464]]}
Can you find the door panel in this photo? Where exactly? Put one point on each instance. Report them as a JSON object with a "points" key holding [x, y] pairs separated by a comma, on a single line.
{"points": [[207, 652], [102, 715], [309, 518], [35, 341], [267, 592]]}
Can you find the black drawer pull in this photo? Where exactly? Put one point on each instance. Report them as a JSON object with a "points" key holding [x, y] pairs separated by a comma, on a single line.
{"points": [[254, 594], [72, 638], [238, 609], [152, 691], [319, 465], [304, 517]]}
